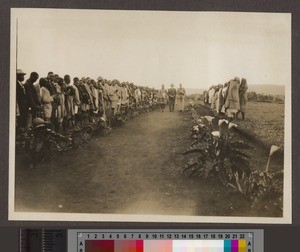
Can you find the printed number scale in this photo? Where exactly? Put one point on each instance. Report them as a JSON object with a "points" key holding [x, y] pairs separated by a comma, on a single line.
{"points": [[166, 241]]}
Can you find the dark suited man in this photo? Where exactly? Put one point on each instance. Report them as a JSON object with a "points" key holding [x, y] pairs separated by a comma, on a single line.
{"points": [[33, 98], [172, 97], [21, 100]]}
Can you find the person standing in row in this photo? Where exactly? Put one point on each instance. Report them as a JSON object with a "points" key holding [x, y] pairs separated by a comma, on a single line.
{"points": [[180, 97], [22, 103], [113, 96], [172, 97], [33, 98], [46, 99], [55, 103], [162, 98], [243, 97], [232, 102]]}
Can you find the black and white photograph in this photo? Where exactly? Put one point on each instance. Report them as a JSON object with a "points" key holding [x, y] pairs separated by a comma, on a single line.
{"points": [[152, 116]]}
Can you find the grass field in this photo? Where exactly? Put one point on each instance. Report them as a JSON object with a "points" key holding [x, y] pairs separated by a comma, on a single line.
{"points": [[265, 121]]}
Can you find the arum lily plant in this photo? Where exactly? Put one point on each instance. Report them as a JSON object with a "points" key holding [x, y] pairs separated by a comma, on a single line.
{"points": [[216, 152], [273, 149]]}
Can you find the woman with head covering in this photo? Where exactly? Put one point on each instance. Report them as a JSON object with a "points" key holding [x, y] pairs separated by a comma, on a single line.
{"points": [[243, 96]]}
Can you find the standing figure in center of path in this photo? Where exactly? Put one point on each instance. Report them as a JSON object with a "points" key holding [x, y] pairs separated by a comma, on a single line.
{"points": [[162, 97], [243, 97], [172, 97], [180, 97]]}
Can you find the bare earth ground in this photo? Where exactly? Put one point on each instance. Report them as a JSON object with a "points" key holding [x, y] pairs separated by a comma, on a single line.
{"points": [[136, 169]]}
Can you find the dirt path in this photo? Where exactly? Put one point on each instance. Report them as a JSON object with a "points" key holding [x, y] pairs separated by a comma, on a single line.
{"points": [[135, 169]]}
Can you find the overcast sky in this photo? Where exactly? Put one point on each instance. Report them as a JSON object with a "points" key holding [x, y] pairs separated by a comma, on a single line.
{"points": [[151, 48]]}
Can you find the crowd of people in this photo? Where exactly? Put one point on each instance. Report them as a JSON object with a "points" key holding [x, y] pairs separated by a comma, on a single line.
{"points": [[229, 99], [64, 103]]}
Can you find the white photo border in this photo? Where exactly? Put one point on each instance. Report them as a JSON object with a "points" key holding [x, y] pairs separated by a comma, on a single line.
{"points": [[38, 216]]}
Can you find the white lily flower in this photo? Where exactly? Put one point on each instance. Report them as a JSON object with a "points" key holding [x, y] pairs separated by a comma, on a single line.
{"points": [[103, 118], [273, 149], [199, 121], [232, 125], [196, 128], [209, 118], [216, 133], [221, 121]]}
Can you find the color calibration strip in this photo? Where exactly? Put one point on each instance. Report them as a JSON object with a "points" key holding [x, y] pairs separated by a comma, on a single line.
{"points": [[208, 240], [165, 246]]}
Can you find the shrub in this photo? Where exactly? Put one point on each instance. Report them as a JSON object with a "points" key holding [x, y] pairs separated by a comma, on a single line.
{"points": [[218, 154]]}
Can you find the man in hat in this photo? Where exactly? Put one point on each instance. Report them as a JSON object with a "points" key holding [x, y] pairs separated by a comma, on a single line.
{"points": [[22, 103], [172, 97]]}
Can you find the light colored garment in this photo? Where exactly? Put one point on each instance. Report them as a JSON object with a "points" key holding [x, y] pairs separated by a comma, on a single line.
{"points": [[124, 96], [138, 95], [162, 96], [213, 100], [46, 100], [113, 95], [211, 93], [180, 98], [95, 95], [232, 98], [61, 109], [77, 101], [231, 112], [217, 101]]}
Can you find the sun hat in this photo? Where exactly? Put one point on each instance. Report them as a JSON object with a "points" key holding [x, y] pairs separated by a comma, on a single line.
{"points": [[20, 72]]}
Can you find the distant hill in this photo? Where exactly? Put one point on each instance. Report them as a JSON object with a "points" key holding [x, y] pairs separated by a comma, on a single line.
{"points": [[267, 89]]}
